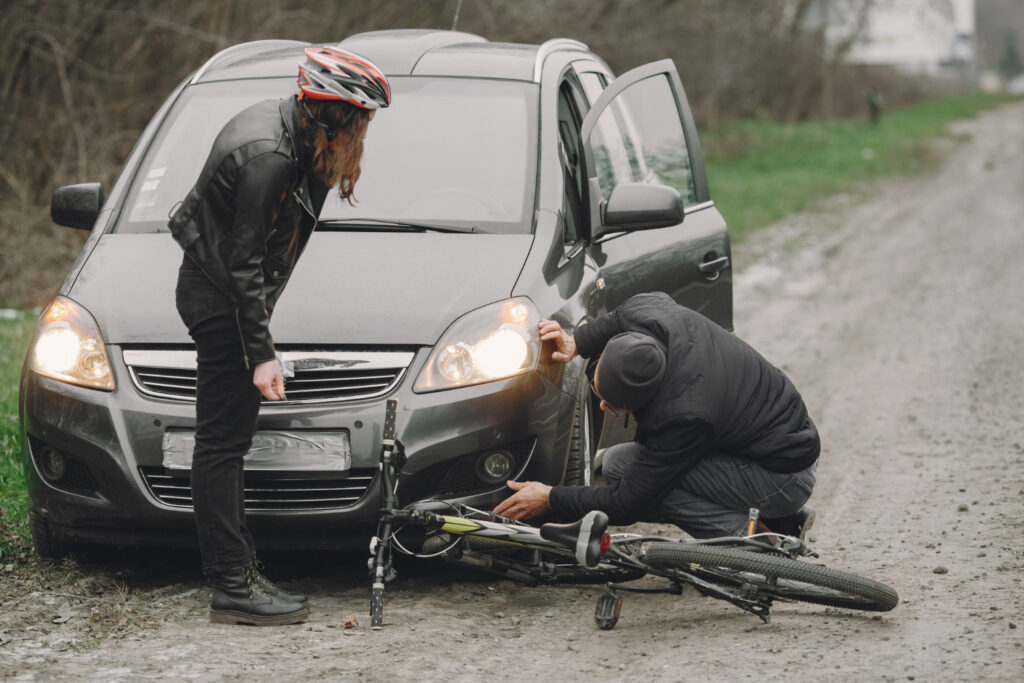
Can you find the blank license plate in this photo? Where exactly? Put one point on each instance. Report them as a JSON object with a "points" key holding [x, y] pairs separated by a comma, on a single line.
{"points": [[297, 451]]}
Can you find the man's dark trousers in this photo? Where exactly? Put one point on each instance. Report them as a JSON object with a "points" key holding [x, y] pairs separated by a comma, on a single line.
{"points": [[714, 498]]}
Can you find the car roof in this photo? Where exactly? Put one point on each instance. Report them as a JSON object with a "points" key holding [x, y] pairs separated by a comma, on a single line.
{"points": [[400, 52]]}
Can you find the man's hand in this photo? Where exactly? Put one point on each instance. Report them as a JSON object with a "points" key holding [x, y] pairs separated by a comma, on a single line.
{"points": [[565, 345], [529, 500], [269, 381]]}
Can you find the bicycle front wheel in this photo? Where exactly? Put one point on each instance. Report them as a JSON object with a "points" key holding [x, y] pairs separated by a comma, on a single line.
{"points": [[776, 576]]}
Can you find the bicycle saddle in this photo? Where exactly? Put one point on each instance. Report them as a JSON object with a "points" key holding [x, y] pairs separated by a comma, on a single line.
{"points": [[583, 537]]}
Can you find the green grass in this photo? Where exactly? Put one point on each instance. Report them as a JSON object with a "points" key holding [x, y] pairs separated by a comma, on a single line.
{"points": [[14, 538], [762, 171]]}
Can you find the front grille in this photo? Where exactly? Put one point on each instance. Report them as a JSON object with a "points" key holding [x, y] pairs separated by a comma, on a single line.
{"points": [[319, 376], [269, 491]]}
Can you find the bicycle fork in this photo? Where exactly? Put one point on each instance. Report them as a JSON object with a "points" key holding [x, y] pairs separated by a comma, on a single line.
{"points": [[392, 458]]}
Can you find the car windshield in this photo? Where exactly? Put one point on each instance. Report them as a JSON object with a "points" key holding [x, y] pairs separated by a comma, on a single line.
{"points": [[447, 152]]}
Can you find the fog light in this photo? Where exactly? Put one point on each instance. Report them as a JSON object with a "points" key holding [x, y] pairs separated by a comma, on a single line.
{"points": [[494, 468], [53, 465]]}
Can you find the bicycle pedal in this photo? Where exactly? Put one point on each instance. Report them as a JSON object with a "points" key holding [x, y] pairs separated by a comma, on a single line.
{"points": [[606, 613]]}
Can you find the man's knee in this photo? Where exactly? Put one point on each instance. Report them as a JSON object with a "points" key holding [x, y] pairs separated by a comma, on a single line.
{"points": [[617, 459]]}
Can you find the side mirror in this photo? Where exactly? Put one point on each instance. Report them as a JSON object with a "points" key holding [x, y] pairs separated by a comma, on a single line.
{"points": [[77, 206], [640, 206]]}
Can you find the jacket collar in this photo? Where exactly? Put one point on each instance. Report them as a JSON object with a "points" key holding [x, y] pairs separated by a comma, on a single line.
{"points": [[290, 116]]}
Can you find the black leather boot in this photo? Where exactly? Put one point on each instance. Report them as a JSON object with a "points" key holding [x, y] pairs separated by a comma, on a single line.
{"points": [[271, 588], [239, 599]]}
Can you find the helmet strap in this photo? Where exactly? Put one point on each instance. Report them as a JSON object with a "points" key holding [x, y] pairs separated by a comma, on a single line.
{"points": [[331, 132]]}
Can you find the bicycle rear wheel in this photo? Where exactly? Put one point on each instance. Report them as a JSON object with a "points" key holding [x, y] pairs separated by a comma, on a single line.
{"points": [[776, 576]]}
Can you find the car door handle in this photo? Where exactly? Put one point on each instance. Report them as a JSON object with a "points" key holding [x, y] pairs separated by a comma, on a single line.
{"points": [[714, 265]]}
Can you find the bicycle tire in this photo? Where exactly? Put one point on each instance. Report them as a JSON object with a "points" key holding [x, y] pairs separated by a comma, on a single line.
{"points": [[813, 583], [579, 468]]}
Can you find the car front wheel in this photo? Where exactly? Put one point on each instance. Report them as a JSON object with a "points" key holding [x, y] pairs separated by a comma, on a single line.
{"points": [[46, 539], [579, 470]]}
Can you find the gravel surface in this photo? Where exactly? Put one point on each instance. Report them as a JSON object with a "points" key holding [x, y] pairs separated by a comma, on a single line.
{"points": [[898, 314]]}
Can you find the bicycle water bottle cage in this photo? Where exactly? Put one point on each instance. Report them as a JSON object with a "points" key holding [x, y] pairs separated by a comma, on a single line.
{"points": [[583, 537]]}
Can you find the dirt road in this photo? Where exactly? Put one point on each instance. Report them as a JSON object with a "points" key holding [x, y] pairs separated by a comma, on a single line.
{"points": [[899, 315]]}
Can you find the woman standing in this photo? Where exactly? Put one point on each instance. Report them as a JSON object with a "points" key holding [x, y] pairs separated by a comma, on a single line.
{"points": [[243, 226]]}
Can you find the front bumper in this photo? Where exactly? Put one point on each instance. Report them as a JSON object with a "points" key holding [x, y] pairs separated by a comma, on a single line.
{"points": [[113, 442]]}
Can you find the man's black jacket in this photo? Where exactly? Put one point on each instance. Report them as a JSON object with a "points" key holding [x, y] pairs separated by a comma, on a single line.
{"points": [[250, 214], [718, 395]]}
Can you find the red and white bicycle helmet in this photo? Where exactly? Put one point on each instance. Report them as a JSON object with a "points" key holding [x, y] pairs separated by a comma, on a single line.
{"points": [[330, 74]]}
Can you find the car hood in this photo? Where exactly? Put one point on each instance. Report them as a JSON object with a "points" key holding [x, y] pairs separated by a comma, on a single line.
{"points": [[348, 288]]}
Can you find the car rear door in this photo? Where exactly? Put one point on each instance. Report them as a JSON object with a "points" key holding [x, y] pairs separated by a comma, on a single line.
{"points": [[640, 129]]}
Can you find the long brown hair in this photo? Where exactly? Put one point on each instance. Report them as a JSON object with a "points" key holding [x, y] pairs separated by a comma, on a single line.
{"points": [[335, 162]]}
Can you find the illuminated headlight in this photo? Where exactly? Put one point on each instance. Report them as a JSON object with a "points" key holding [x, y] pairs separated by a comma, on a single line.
{"points": [[68, 347], [493, 342]]}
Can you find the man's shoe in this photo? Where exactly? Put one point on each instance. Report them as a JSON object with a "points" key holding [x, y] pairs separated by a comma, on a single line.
{"points": [[271, 588], [797, 524], [239, 599]]}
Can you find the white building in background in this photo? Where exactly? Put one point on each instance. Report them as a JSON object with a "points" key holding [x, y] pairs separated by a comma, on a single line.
{"points": [[927, 37]]}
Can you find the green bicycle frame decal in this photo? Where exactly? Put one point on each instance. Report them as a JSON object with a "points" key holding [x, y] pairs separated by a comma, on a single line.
{"points": [[458, 525]]}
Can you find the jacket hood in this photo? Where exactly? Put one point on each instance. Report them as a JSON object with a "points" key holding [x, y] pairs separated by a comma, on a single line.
{"points": [[380, 288]]}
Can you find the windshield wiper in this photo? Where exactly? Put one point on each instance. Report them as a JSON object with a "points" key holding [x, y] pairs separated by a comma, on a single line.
{"points": [[383, 224]]}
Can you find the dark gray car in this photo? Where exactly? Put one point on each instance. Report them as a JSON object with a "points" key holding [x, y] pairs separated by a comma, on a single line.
{"points": [[506, 183]]}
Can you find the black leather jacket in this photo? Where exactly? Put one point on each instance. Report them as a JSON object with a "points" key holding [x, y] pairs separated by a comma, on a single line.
{"points": [[250, 214]]}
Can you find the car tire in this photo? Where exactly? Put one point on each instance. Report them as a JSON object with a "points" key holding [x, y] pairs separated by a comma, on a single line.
{"points": [[46, 538], [579, 468]]}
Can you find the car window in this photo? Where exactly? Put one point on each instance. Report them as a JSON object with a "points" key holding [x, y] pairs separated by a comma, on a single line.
{"points": [[569, 119], [639, 138], [612, 156], [432, 156]]}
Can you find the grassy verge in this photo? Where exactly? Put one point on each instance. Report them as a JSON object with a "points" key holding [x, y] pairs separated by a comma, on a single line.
{"points": [[762, 171], [14, 539]]}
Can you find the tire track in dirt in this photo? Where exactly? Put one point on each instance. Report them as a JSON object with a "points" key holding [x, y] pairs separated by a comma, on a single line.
{"points": [[916, 384]]}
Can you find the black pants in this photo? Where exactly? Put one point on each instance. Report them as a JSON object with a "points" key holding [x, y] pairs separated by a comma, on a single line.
{"points": [[715, 497], [227, 406]]}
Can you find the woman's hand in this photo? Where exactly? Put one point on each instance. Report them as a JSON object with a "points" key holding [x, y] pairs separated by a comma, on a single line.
{"points": [[565, 345], [269, 381]]}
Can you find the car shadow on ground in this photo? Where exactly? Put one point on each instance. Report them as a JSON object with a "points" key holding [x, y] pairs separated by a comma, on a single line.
{"points": [[333, 570]]}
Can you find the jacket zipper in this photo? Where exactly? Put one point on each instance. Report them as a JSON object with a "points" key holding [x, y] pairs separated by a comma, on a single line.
{"points": [[308, 210], [241, 338]]}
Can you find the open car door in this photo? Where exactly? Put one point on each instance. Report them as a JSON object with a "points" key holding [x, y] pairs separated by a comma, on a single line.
{"points": [[638, 139]]}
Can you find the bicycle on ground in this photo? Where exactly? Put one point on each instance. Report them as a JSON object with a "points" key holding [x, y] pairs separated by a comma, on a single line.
{"points": [[751, 571]]}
